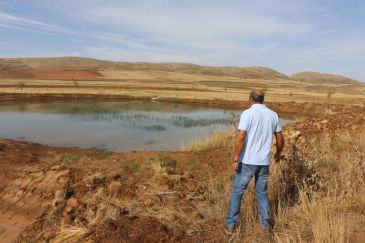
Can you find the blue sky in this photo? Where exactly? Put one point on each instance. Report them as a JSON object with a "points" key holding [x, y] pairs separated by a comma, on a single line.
{"points": [[286, 35]]}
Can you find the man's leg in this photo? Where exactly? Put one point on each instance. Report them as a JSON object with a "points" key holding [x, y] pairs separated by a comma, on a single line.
{"points": [[261, 178], [243, 177]]}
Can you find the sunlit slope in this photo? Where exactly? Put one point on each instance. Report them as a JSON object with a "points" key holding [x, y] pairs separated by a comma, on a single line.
{"points": [[9, 67], [178, 80]]}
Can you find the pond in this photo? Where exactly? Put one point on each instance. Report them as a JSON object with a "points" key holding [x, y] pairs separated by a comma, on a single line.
{"points": [[114, 125]]}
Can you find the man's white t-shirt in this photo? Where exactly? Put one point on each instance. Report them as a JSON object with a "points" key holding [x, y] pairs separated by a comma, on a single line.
{"points": [[260, 123]]}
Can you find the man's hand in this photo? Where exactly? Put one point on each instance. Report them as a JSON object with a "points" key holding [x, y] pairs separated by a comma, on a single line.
{"points": [[234, 166], [277, 157], [238, 146], [279, 145]]}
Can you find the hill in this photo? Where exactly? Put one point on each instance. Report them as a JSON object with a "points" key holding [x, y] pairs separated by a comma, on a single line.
{"points": [[28, 68], [77, 75], [315, 77]]}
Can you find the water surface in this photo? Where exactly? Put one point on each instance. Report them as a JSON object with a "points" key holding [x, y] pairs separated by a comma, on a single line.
{"points": [[114, 125]]}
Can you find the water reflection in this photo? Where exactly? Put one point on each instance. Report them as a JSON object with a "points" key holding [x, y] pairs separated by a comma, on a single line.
{"points": [[118, 126]]}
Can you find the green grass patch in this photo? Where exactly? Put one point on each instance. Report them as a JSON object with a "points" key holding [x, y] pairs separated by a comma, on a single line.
{"points": [[66, 157], [99, 153], [134, 167], [195, 165]]}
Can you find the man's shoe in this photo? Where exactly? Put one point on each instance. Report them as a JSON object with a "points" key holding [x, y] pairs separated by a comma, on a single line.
{"points": [[228, 230]]}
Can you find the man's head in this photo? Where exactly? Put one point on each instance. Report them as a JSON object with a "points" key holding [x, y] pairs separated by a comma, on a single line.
{"points": [[257, 96]]}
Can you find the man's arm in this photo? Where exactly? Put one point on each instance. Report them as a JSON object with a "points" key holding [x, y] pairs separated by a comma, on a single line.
{"points": [[279, 145], [238, 146]]}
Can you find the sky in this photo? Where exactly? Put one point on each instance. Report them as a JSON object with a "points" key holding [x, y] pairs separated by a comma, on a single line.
{"points": [[287, 35]]}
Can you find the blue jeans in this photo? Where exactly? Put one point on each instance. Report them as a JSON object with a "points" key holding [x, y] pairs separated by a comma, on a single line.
{"points": [[243, 176]]}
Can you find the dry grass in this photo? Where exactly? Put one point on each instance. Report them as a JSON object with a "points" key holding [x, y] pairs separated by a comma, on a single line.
{"points": [[329, 185], [311, 191], [163, 165], [95, 180], [192, 86], [70, 234], [180, 81], [215, 140], [58, 202]]}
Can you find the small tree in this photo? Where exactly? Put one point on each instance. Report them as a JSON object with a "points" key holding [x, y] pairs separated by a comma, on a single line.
{"points": [[76, 84], [176, 89], [266, 89], [330, 93], [20, 85], [194, 87]]}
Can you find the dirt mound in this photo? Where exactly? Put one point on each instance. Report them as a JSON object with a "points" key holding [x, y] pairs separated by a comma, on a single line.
{"points": [[26, 187], [43, 200]]}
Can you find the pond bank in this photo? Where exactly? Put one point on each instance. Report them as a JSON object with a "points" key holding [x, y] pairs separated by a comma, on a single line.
{"points": [[285, 109]]}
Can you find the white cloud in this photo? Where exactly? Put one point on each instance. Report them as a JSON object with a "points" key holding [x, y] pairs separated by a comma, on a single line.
{"points": [[193, 21], [20, 22], [284, 34]]}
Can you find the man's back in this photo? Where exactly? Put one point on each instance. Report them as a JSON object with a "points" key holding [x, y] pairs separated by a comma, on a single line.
{"points": [[260, 123]]}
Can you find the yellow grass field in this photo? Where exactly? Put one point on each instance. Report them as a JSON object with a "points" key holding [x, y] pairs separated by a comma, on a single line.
{"points": [[171, 80]]}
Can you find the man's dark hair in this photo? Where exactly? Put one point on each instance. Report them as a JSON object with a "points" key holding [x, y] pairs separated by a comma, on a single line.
{"points": [[256, 97]]}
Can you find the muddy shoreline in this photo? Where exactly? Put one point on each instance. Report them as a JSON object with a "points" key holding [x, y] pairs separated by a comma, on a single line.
{"points": [[282, 108]]}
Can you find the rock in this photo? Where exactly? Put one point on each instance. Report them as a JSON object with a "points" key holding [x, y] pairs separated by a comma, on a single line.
{"points": [[297, 134], [66, 219], [72, 202], [197, 215], [56, 167], [68, 209], [188, 176]]}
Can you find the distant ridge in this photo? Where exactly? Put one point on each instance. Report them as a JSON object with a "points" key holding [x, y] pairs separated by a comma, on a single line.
{"points": [[10, 65], [73, 67], [315, 77]]}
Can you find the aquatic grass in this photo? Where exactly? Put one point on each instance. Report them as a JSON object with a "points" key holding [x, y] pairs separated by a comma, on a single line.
{"points": [[154, 128], [137, 119], [184, 121]]}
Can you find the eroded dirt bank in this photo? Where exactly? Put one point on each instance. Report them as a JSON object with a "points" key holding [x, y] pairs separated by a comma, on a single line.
{"points": [[68, 194]]}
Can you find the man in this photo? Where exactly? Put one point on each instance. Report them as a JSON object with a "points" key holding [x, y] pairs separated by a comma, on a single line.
{"points": [[251, 157]]}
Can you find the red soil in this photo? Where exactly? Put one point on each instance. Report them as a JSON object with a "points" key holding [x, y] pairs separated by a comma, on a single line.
{"points": [[60, 75]]}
